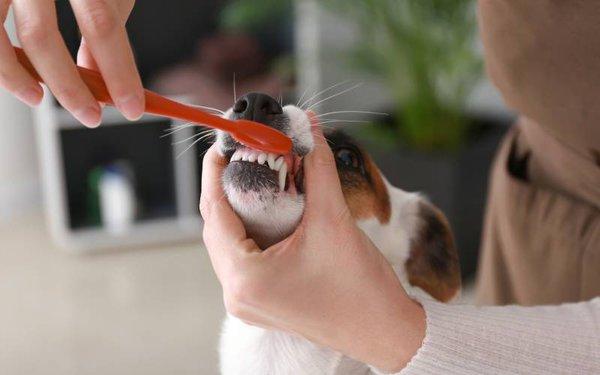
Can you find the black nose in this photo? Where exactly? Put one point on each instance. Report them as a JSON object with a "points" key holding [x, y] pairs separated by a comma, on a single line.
{"points": [[256, 107]]}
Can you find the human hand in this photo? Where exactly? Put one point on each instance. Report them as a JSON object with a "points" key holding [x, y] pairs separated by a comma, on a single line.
{"points": [[326, 282], [105, 47]]}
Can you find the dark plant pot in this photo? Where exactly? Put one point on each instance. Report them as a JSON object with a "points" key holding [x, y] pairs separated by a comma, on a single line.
{"points": [[456, 182]]}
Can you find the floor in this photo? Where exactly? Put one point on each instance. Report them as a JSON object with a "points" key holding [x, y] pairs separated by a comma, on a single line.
{"points": [[154, 311]]}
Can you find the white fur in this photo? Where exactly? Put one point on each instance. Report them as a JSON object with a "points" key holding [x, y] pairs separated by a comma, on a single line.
{"points": [[249, 350]]}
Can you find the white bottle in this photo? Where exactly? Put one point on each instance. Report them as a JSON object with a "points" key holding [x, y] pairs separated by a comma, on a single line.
{"points": [[117, 201]]}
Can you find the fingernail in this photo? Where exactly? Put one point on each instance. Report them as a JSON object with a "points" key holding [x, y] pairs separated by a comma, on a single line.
{"points": [[31, 96], [132, 106], [89, 116]]}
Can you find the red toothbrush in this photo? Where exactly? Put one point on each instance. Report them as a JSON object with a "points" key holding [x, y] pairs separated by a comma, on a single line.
{"points": [[250, 133]]}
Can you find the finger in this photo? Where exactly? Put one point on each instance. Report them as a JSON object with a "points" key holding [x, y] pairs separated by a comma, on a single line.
{"points": [[103, 29], [322, 184], [13, 77], [37, 30], [221, 225]]}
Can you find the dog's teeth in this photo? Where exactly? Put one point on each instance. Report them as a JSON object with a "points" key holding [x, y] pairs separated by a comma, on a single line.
{"points": [[278, 163], [252, 157], [282, 176], [271, 160], [236, 156], [261, 158]]}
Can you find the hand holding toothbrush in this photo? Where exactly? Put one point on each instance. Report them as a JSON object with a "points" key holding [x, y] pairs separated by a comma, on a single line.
{"points": [[105, 47]]}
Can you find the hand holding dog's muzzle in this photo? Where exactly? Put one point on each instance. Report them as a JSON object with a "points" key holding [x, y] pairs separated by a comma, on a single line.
{"points": [[326, 281]]}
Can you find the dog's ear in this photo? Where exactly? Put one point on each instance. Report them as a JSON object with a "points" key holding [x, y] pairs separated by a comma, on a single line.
{"points": [[433, 264]]}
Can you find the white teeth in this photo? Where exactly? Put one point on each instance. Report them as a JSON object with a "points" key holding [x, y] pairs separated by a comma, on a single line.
{"points": [[279, 163], [262, 158], [282, 176], [271, 160], [275, 163], [236, 156]]}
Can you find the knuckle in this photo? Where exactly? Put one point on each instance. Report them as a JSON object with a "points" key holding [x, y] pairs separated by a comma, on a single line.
{"points": [[67, 94], [34, 33], [99, 20]]}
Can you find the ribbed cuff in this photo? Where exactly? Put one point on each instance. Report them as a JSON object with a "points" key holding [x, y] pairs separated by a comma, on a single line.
{"points": [[464, 339], [442, 347]]}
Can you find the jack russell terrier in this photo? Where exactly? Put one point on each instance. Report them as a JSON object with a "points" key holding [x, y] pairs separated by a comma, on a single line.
{"points": [[266, 191]]}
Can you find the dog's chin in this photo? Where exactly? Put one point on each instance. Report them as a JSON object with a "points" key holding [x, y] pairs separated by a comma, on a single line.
{"points": [[268, 213]]}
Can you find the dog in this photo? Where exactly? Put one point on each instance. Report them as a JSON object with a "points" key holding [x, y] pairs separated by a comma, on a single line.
{"points": [[266, 191]]}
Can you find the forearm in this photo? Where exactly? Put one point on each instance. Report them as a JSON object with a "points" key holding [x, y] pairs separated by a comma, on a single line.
{"points": [[509, 339]]}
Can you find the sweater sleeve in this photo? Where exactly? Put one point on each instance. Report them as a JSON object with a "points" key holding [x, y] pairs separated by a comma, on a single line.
{"points": [[464, 339]]}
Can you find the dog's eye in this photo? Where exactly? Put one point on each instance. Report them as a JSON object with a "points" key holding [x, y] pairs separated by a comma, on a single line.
{"points": [[347, 157]]}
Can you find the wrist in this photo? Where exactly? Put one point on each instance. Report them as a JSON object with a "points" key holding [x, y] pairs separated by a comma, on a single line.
{"points": [[403, 335]]}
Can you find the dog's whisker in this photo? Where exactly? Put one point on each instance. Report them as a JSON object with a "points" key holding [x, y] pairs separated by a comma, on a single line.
{"points": [[213, 109], [179, 128], [301, 97], [328, 127], [185, 140], [323, 92], [206, 131], [206, 136], [324, 138], [354, 112], [234, 89], [341, 121], [334, 96], [205, 151], [189, 147], [172, 131]]}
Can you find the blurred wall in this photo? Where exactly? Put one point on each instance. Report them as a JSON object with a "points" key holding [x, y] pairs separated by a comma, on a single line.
{"points": [[19, 181]]}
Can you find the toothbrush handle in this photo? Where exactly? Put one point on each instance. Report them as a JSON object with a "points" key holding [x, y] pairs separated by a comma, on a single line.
{"points": [[250, 133], [155, 103]]}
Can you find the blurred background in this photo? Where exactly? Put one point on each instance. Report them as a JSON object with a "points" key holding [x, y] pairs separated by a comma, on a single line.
{"points": [[102, 268]]}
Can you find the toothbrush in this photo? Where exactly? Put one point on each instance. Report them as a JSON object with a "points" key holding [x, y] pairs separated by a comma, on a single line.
{"points": [[249, 133]]}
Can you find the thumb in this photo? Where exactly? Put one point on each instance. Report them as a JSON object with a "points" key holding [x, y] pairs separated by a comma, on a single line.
{"points": [[221, 224], [322, 184]]}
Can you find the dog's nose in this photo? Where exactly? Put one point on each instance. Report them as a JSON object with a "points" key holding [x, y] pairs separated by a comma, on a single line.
{"points": [[256, 107]]}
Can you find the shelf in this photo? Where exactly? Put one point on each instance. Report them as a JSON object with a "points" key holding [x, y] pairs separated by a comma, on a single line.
{"points": [[166, 186], [156, 232]]}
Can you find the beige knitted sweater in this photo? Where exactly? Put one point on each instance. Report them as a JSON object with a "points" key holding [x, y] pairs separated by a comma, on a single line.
{"points": [[460, 339]]}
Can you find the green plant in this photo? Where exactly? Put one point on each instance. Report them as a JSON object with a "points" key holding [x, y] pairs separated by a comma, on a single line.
{"points": [[424, 51], [248, 15]]}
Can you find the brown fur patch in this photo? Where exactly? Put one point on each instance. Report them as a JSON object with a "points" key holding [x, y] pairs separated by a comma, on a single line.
{"points": [[433, 262], [367, 197]]}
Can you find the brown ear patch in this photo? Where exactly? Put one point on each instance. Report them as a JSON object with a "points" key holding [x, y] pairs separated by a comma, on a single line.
{"points": [[369, 198], [433, 261]]}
